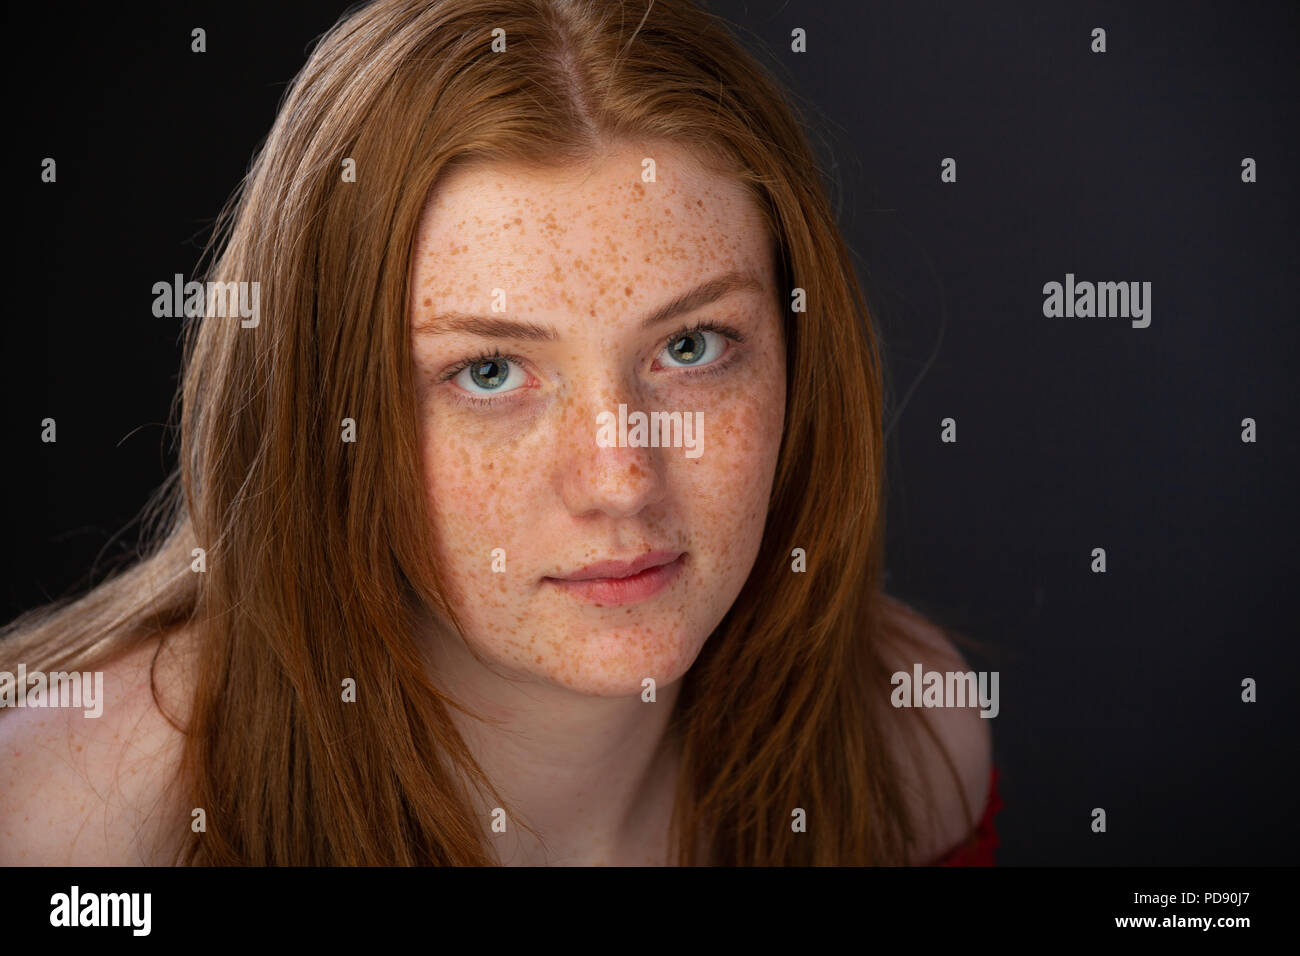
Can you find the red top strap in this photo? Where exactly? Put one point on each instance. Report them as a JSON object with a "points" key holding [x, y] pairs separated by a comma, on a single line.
{"points": [[978, 849]]}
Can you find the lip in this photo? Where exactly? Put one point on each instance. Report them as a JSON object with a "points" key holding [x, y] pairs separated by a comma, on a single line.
{"points": [[622, 582]]}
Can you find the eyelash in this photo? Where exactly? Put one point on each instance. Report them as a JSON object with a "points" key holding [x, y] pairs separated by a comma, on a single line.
{"points": [[713, 368]]}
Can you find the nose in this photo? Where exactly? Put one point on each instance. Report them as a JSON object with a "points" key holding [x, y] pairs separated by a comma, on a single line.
{"points": [[602, 472]]}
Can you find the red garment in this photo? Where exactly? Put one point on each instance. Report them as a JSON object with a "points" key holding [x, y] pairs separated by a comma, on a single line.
{"points": [[978, 850]]}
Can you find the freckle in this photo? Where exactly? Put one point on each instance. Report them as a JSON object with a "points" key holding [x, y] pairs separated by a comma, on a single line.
{"points": [[428, 303]]}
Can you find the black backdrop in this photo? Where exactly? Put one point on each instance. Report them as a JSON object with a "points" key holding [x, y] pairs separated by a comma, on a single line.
{"points": [[1118, 690]]}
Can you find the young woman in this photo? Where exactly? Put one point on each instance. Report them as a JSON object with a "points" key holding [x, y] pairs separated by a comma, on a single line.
{"points": [[425, 588]]}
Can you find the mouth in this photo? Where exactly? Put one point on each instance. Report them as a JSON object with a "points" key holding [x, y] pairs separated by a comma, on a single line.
{"points": [[613, 583]]}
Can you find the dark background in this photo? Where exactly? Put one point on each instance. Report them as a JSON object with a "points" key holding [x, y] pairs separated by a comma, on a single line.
{"points": [[1119, 690]]}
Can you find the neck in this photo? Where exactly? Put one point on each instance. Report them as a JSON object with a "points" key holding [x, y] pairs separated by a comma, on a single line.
{"points": [[593, 777]]}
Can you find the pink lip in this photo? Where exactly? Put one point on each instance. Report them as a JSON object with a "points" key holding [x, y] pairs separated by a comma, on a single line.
{"points": [[623, 582]]}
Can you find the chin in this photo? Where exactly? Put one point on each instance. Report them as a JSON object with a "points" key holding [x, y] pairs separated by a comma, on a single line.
{"points": [[614, 661]]}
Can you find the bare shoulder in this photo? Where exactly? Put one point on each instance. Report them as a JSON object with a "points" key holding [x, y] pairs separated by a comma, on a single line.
{"points": [[96, 790], [934, 797]]}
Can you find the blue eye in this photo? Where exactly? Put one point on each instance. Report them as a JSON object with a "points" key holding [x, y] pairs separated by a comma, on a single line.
{"points": [[694, 347], [491, 375]]}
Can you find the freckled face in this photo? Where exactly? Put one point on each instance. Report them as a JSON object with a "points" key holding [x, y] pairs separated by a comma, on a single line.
{"points": [[517, 455]]}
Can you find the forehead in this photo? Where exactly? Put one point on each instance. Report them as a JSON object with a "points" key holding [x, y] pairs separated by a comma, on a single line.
{"points": [[598, 231]]}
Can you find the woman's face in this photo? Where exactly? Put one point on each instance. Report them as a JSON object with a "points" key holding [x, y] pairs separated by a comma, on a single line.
{"points": [[550, 313]]}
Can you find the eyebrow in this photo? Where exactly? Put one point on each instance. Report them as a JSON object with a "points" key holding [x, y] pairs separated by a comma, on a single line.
{"points": [[704, 294]]}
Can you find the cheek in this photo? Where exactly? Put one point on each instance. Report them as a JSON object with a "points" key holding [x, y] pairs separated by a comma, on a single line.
{"points": [[730, 483], [477, 499]]}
